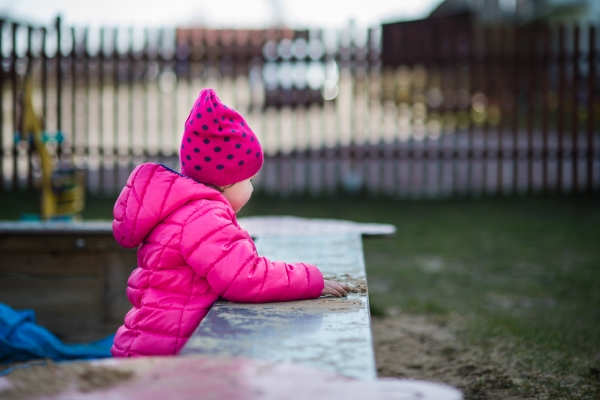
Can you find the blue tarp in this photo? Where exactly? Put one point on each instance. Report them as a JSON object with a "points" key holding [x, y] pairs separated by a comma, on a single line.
{"points": [[22, 339]]}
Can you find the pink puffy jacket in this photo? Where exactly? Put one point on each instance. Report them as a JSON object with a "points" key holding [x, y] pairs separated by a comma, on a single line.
{"points": [[191, 251]]}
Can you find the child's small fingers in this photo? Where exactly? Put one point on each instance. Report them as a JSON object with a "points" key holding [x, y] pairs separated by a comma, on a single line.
{"points": [[337, 289], [340, 289]]}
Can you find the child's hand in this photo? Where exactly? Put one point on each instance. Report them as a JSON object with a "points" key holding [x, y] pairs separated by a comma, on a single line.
{"points": [[335, 288]]}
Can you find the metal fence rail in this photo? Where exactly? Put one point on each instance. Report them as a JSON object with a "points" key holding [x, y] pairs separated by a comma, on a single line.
{"points": [[413, 110]]}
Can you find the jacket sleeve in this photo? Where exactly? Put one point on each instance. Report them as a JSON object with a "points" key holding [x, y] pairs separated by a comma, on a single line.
{"points": [[217, 249]]}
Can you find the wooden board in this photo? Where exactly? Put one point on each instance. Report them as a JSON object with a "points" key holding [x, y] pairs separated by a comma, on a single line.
{"points": [[202, 377], [328, 334], [73, 275], [259, 226]]}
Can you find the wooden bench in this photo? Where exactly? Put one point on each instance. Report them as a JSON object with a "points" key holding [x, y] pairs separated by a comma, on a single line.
{"points": [[329, 334]]}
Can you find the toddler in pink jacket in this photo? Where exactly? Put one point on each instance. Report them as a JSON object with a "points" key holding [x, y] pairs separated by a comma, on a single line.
{"points": [[191, 250]]}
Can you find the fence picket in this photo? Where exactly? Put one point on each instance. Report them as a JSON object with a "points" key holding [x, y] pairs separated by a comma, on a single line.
{"points": [[451, 110]]}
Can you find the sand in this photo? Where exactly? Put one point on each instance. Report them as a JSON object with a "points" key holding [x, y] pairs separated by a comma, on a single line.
{"points": [[52, 379], [424, 347], [357, 285]]}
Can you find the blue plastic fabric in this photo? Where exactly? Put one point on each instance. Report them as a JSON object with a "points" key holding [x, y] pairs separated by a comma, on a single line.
{"points": [[22, 339]]}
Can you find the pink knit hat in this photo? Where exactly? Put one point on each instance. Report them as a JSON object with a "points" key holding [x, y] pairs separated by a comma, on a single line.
{"points": [[218, 146]]}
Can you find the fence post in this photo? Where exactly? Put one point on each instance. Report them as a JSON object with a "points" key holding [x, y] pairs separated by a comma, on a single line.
{"points": [[575, 112], [115, 58], [44, 58], [531, 50], [15, 100], [100, 65], [500, 87], [486, 88], [515, 109], [591, 109], [561, 111], [74, 57], [545, 89], [29, 56], [86, 113], [59, 79]]}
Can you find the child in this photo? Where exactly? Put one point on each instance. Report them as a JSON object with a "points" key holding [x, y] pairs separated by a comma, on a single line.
{"points": [[191, 249]]}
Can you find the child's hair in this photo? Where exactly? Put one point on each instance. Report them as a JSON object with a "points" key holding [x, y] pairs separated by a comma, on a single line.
{"points": [[218, 147], [217, 188]]}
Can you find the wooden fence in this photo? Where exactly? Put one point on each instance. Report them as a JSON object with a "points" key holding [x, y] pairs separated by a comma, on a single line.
{"points": [[409, 110]]}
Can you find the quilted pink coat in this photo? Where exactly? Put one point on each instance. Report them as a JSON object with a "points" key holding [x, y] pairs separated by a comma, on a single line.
{"points": [[191, 252]]}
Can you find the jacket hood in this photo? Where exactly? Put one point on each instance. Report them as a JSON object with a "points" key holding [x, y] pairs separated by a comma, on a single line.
{"points": [[153, 192]]}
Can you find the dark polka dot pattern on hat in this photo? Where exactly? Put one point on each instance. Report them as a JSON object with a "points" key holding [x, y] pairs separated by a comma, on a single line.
{"points": [[222, 148]]}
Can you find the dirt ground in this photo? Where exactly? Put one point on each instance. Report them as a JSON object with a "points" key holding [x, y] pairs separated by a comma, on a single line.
{"points": [[49, 379], [420, 347], [406, 346]]}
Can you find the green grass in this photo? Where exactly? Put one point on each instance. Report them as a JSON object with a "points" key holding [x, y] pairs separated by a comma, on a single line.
{"points": [[521, 274]]}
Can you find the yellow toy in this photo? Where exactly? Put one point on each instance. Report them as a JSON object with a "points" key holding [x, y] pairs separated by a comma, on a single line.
{"points": [[62, 187]]}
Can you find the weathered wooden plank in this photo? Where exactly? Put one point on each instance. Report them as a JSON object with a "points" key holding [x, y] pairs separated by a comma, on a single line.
{"points": [[285, 225], [73, 275], [67, 265], [117, 269], [41, 237], [57, 227], [53, 296], [52, 242], [329, 334]]}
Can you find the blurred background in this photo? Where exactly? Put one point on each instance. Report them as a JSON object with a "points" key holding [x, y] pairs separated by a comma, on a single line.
{"points": [[471, 125], [406, 99]]}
